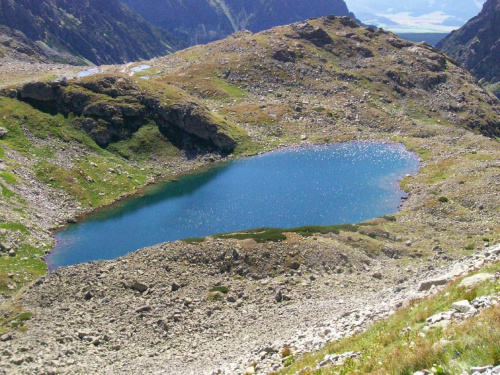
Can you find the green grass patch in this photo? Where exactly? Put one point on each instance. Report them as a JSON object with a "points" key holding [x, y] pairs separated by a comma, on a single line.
{"points": [[263, 235], [15, 227], [221, 289], [194, 240], [443, 199], [9, 178], [260, 235], [310, 230], [17, 321], [6, 192], [231, 90], [25, 267], [146, 141]]}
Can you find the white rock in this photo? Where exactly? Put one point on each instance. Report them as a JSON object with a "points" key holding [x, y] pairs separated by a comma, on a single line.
{"points": [[462, 306], [480, 370], [476, 280]]}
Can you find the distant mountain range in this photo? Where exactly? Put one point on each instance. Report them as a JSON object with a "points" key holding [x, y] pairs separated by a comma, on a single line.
{"points": [[100, 31], [202, 21], [402, 16], [477, 45]]}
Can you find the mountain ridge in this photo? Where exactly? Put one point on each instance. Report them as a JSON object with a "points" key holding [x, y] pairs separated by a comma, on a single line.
{"points": [[202, 21], [100, 31], [476, 45]]}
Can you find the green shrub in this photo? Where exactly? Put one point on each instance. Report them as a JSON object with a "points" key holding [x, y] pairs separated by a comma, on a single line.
{"points": [[221, 289], [289, 361], [193, 240], [443, 199]]}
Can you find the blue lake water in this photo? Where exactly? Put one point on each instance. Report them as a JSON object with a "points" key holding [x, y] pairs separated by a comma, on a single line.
{"points": [[88, 72], [320, 185], [140, 68]]}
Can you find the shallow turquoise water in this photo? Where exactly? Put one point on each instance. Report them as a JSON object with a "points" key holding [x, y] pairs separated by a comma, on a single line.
{"points": [[320, 185]]}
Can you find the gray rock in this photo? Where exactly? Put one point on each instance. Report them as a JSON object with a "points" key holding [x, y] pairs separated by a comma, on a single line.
{"points": [[17, 360], [427, 284], [140, 287], [3, 132], [175, 286], [495, 370], [480, 370], [440, 317], [279, 296], [462, 306], [6, 337], [144, 308], [474, 280]]}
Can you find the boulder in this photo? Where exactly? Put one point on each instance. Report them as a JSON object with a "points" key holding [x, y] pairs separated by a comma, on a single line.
{"points": [[462, 306], [475, 280], [481, 370], [316, 36], [3, 132], [427, 284], [175, 286], [40, 91]]}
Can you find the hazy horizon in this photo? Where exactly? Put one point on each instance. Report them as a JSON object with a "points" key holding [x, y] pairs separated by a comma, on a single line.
{"points": [[431, 16]]}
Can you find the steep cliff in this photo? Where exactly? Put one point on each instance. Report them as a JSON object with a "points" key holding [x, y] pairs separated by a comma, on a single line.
{"points": [[111, 109], [477, 44]]}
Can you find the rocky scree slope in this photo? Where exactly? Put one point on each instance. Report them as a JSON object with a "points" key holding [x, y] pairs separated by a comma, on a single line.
{"points": [[203, 21], [100, 31], [476, 45], [320, 81], [16, 47], [215, 307]]}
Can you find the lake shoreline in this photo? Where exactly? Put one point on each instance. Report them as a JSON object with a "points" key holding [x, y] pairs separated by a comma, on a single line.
{"points": [[163, 182]]}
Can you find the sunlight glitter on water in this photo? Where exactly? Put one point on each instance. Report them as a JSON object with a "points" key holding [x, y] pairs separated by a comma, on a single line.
{"points": [[318, 185]]}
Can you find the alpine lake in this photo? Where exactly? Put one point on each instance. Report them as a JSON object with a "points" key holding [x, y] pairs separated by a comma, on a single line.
{"points": [[317, 185]]}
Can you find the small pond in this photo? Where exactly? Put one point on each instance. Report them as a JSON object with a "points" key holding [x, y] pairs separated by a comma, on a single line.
{"points": [[320, 185], [88, 72], [140, 68]]}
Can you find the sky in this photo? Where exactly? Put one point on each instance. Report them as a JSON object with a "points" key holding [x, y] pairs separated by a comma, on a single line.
{"points": [[416, 15]]}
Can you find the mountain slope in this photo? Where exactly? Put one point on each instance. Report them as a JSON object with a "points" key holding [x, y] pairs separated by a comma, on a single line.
{"points": [[15, 46], [102, 31], [477, 44], [321, 81], [201, 21]]}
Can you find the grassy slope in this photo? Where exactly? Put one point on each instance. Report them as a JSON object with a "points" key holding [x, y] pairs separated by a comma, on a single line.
{"points": [[399, 345]]}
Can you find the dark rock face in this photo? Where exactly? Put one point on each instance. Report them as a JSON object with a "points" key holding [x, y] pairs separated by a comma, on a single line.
{"points": [[318, 36], [114, 108], [102, 31], [202, 21], [476, 45], [14, 44]]}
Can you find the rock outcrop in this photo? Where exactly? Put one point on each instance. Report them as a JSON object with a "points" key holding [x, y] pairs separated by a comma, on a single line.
{"points": [[111, 109]]}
